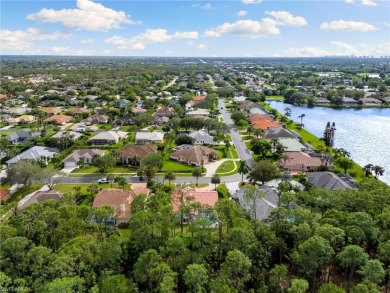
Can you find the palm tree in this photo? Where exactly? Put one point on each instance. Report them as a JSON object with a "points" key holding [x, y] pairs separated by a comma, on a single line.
{"points": [[170, 176], [197, 172], [368, 169], [378, 170], [301, 116], [287, 112], [216, 179], [243, 168]]}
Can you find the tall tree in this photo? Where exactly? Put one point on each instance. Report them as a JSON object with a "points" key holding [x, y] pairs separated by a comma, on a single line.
{"points": [[301, 117], [352, 257], [243, 169], [169, 176], [197, 172], [196, 278], [104, 163], [345, 163], [263, 171], [215, 179], [251, 196]]}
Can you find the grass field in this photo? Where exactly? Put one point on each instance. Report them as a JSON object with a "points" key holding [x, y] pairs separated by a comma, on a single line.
{"points": [[171, 165], [225, 167], [92, 169]]}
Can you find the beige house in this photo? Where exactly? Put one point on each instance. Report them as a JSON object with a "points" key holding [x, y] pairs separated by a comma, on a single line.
{"points": [[25, 118], [194, 155]]}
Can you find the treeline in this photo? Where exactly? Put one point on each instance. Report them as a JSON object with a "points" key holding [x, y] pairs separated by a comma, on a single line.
{"points": [[332, 242]]}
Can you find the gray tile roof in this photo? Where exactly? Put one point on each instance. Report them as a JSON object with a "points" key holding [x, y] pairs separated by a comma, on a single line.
{"points": [[327, 180]]}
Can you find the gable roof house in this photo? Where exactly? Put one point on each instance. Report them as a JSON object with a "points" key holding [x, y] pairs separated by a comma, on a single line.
{"points": [[278, 133], [96, 118], [202, 113], [23, 118], [107, 137], [133, 154], [35, 153], [194, 155], [265, 124], [138, 110], [165, 112], [39, 196], [328, 180], [149, 137], [84, 154], [202, 137], [120, 200], [58, 119], [301, 162], [50, 110], [292, 145], [160, 120], [21, 136], [73, 134]]}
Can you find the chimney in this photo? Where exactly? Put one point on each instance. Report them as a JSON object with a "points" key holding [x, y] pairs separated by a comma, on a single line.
{"points": [[122, 207]]}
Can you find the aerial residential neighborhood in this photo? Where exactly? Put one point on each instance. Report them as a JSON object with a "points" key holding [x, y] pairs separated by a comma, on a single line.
{"points": [[191, 154]]}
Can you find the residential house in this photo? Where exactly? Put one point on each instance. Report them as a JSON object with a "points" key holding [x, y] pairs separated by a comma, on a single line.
{"points": [[22, 119], [96, 118], [86, 155], [265, 124], [3, 96], [202, 137], [133, 154], [257, 111], [21, 136], [17, 111], [120, 103], [149, 137], [279, 133], [194, 155], [138, 110], [127, 120], [201, 113], [158, 120], [264, 205], [50, 110], [322, 101], [120, 200], [35, 153], [107, 137], [347, 100], [207, 198], [199, 98], [370, 101], [78, 111], [58, 119], [39, 196], [328, 180], [73, 134], [239, 99], [165, 112], [298, 162]]}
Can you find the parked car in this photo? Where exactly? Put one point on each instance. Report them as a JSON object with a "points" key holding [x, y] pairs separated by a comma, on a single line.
{"points": [[103, 180]]}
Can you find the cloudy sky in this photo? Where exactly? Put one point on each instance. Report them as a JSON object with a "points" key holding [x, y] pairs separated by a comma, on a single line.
{"points": [[246, 28]]}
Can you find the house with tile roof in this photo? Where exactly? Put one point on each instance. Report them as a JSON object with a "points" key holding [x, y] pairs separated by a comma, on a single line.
{"points": [[24, 118], [202, 137], [96, 118], [165, 112], [50, 110], [58, 119], [83, 154], [39, 196], [194, 155], [278, 133], [21, 136], [4, 195], [328, 180], [120, 200], [149, 137], [35, 153], [301, 162], [131, 154], [107, 137], [265, 124], [138, 110], [292, 145], [207, 198]]}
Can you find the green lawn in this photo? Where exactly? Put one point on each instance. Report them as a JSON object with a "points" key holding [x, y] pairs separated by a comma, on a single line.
{"points": [[92, 169], [234, 152], [171, 165], [275, 98], [219, 149], [225, 167]]}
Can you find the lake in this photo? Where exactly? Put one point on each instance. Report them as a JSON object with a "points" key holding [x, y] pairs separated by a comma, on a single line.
{"points": [[364, 133]]}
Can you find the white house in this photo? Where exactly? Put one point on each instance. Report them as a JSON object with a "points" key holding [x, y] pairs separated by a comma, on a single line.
{"points": [[149, 137], [84, 154], [35, 153], [202, 137]]}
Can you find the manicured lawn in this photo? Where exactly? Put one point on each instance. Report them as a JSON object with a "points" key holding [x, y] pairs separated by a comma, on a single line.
{"points": [[67, 188], [225, 167], [92, 169], [275, 98], [308, 137], [105, 126], [220, 149], [171, 165], [234, 153], [222, 191]]}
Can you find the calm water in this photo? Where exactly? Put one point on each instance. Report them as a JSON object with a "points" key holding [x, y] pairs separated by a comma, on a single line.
{"points": [[365, 133]]}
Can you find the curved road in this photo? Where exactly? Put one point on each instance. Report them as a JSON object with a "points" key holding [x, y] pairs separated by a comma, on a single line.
{"points": [[240, 146]]}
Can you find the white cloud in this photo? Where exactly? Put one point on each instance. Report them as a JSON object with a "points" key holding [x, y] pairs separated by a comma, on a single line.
{"points": [[246, 28], [69, 51], [23, 40], [343, 25], [286, 18], [201, 46], [241, 13], [86, 41], [376, 50], [88, 15], [349, 1], [190, 43], [150, 36], [349, 49], [368, 3], [251, 1], [106, 52], [305, 52], [207, 6]]}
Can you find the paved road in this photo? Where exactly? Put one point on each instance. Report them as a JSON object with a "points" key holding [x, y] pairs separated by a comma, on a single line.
{"points": [[240, 146], [135, 179]]}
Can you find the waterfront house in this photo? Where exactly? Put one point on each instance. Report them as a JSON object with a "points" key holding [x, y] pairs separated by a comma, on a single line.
{"points": [[328, 180], [300, 162], [279, 133]]}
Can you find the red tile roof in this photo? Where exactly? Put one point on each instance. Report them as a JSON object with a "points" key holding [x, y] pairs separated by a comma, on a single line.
{"points": [[205, 197], [199, 98], [265, 124], [60, 119]]}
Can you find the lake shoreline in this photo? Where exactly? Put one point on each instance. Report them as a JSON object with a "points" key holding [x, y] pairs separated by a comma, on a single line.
{"points": [[336, 107]]}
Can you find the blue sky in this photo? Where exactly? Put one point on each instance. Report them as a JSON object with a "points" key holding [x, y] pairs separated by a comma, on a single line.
{"points": [[246, 28]]}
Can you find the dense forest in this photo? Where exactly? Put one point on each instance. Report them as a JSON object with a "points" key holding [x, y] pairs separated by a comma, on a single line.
{"points": [[315, 241]]}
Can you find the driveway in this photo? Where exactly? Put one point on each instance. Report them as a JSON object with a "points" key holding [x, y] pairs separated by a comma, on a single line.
{"points": [[240, 145]]}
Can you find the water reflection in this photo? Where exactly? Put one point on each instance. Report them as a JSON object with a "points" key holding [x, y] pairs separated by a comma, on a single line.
{"points": [[365, 133]]}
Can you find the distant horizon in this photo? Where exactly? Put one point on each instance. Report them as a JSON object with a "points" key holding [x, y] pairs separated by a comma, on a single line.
{"points": [[247, 28]]}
